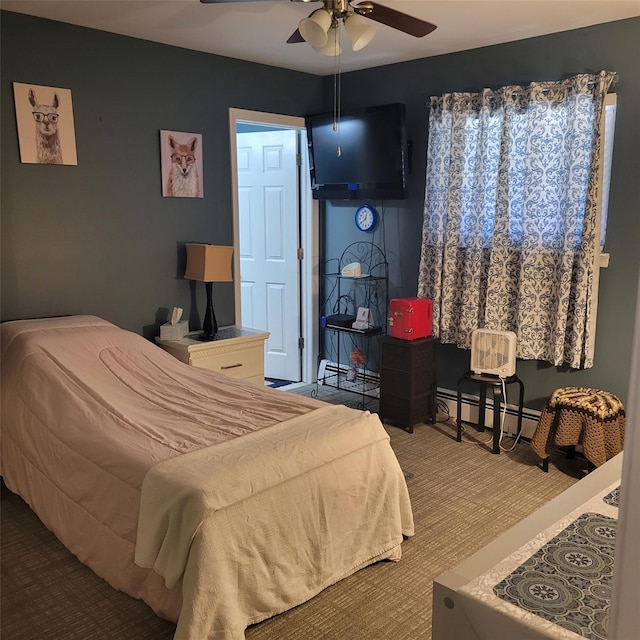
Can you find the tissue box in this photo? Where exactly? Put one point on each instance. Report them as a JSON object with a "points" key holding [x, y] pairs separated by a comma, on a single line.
{"points": [[177, 331]]}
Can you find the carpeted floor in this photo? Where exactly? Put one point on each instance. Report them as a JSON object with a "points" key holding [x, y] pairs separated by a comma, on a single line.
{"points": [[462, 497]]}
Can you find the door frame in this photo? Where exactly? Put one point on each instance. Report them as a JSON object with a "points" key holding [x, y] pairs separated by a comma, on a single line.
{"points": [[309, 233]]}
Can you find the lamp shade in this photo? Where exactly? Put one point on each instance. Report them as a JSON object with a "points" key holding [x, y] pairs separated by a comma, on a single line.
{"points": [[360, 30], [332, 47], [209, 263], [314, 28]]}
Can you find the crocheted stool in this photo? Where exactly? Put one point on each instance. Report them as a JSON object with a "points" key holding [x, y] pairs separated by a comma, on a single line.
{"points": [[592, 418]]}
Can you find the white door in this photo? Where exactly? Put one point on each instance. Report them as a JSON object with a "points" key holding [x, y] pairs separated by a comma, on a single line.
{"points": [[268, 245]]}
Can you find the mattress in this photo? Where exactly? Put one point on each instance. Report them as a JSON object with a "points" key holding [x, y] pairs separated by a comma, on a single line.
{"points": [[218, 502]]}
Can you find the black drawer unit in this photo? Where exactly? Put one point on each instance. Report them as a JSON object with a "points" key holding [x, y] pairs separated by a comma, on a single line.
{"points": [[408, 384]]}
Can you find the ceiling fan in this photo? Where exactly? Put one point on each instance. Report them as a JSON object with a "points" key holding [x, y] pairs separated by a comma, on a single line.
{"points": [[321, 28]]}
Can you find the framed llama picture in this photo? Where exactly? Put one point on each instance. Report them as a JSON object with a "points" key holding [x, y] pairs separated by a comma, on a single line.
{"points": [[181, 157], [46, 131]]}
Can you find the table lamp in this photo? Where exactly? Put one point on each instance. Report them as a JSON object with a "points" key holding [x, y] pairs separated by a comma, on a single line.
{"points": [[208, 263]]}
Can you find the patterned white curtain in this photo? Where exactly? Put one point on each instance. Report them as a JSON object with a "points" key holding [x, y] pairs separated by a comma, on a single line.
{"points": [[510, 229]]}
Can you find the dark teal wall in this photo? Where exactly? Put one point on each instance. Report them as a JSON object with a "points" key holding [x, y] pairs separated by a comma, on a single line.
{"points": [[613, 46], [99, 237]]}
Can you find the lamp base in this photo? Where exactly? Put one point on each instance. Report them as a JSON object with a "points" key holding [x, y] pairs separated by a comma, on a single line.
{"points": [[210, 324]]}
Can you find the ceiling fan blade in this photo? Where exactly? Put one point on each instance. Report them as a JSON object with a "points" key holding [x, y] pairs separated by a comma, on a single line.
{"points": [[296, 36], [396, 19]]}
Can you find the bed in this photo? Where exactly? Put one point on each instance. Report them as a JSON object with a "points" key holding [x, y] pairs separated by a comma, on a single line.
{"points": [[218, 502]]}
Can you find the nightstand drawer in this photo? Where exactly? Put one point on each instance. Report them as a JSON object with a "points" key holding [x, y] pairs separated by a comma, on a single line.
{"points": [[236, 361], [237, 352]]}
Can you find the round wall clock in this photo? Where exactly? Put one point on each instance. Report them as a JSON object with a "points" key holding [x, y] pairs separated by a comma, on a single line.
{"points": [[366, 218]]}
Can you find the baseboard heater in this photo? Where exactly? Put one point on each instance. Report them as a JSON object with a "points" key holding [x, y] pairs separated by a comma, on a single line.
{"points": [[469, 403], [469, 407]]}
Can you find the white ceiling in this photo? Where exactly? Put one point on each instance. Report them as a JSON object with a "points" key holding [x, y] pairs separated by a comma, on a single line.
{"points": [[257, 30]]}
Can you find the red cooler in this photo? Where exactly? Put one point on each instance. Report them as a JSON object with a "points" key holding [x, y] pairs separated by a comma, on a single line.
{"points": [[410, 318]]}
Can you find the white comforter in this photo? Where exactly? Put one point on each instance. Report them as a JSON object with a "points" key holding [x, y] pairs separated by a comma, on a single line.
{"points": [[93, 415]]}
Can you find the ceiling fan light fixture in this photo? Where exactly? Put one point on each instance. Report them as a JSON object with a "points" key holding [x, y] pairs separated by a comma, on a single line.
{"points": [[360, 30], [332, 47], [315, 28]]}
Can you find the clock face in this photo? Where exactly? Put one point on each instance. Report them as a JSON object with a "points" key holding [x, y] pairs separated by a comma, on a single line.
{"points": [[366, 218]]}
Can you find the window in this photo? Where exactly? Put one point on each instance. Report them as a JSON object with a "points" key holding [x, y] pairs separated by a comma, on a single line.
{"points": [[608, 130], [515, 214]]}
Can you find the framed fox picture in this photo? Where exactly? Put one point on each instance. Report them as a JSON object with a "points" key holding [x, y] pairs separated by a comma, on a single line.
{"points": [[181, 156], [46, 131]]}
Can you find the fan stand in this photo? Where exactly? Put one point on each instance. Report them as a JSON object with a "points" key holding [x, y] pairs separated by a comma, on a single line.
{"points": [[485, 381]]}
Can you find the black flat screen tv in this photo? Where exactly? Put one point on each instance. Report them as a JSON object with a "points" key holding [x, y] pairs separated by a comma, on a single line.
{"points": [[364, 158]]}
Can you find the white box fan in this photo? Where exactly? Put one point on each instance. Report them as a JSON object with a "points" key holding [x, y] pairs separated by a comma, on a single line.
{"points": [[493, 352]]}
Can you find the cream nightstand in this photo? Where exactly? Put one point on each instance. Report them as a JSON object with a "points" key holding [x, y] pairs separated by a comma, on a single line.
{"points": [[236, 351]]}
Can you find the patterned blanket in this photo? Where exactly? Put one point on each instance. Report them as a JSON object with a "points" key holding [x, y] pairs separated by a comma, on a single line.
{"points": [[592, 418]]}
